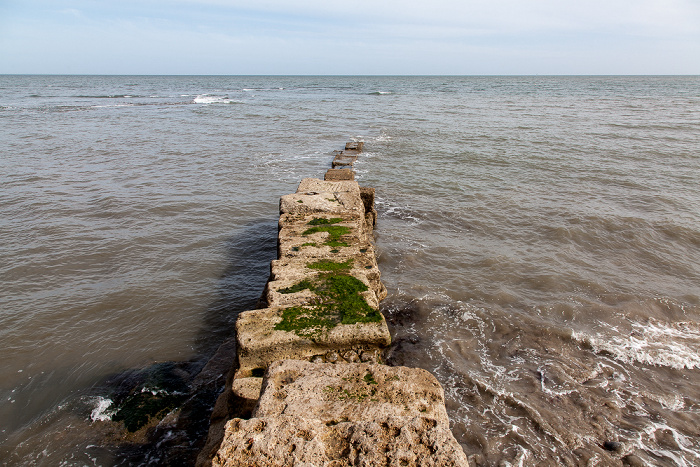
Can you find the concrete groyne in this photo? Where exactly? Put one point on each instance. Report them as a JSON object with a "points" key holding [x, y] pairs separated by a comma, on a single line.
{"points": [[308, 386]]}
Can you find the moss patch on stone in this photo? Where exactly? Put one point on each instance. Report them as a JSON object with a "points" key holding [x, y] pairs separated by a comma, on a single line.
{"points": [[339, 302], [334, 233], [323, 221], [303, 285], [329, 265]]}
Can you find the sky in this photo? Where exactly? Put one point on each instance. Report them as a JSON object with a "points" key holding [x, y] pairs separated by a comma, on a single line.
{"points": [[350, 37]]}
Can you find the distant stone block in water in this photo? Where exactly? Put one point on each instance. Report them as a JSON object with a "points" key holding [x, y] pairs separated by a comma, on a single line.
{"points": [[344, 160], [356, 145], [339, 174]]}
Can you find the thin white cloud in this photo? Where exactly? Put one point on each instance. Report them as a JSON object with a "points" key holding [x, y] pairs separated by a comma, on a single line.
{"points": [[316, 37]]}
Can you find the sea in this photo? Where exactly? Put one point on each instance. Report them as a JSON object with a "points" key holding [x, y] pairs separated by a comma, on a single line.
{"points": [[539, 237]]}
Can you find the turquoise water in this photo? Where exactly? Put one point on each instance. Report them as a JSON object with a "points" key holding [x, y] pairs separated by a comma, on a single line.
{"points": [[539, 238]]}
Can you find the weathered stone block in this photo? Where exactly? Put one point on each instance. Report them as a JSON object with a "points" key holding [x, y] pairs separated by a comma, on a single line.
{"points": [[245, 393], [339, 174], [292, 441], [260, 344], [355, 145], [314, 184], [350, 392], [343, 160]]}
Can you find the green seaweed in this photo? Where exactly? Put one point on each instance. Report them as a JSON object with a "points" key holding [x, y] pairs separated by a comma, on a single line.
{"points": [[334, 231], [163, 390], [369, 378], [323, 221], [340, 302], [329, 265], [303, 285], [305, 322]]}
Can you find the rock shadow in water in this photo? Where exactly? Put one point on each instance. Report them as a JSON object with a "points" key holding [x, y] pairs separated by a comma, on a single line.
{"points": [[166, 406]]}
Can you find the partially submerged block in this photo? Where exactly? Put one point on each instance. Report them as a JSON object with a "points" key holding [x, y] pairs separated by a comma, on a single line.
{"points": [[343, 160], [339, 174], [355, 145], [263, 340]]}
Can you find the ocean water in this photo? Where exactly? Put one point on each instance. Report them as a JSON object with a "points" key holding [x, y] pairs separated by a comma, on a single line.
{"points": [[539, 238]]}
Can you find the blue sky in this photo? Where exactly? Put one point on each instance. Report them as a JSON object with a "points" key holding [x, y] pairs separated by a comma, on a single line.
{"points": [[464, 37]]}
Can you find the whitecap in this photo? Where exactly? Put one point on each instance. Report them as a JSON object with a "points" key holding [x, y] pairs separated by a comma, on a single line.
{"points": [[658, 343], [210, 99], [102, 411]]}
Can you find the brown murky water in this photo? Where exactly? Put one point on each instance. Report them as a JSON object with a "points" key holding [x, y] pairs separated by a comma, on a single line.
{"points": [[539, 237]]}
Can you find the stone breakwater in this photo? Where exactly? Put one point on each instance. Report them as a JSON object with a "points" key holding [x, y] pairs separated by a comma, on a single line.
{"points": [[308, 387]]}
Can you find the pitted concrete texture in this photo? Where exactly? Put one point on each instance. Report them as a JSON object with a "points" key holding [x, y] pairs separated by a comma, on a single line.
{"points": [[296, 442], [339, 174], [320, 414], [260, 344], [350, 392], [303, 247], [314, 184]]}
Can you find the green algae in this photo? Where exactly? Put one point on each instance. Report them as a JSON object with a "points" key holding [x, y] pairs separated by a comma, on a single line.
{"points": [[339, 302], [323, 221], [369, 378], [303, 285], [329, 265], [163, 390], [334, 232], [305, 322]]}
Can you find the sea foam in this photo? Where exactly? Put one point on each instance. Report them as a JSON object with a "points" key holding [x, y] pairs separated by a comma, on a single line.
{"points": [[675, 345]]}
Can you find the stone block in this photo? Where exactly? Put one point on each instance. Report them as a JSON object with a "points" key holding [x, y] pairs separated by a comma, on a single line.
{"points": [[290, 441], [260, 344], [314, 184], [307, 203], [245, 393], [343, 160], [339, 174], [350, 392], [303, 247], [355, 145]]}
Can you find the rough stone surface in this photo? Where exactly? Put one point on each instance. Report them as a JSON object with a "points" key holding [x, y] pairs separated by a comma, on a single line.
{"points": [[314, 184], [355, 145], [293, 441], [245, 393], [259, 344], [318, 404], [339, 174], [354, 392]]}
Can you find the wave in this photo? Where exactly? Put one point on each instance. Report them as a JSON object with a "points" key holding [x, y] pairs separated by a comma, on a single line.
{"points": [[108, 96], [381, 93], [102, 411], [209, 99], [656, 343]]}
